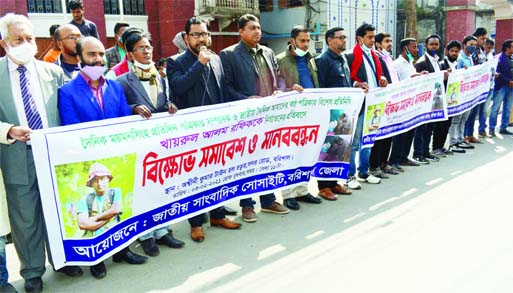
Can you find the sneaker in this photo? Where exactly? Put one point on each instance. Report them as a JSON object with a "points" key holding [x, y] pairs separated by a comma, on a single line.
{"points": [[482, 134], [369, 178], [353, 183], [275, 208], [420, 160], [492, 133], [505, 131], [466, 145], [397, 167], [439, 153], [447, 151], [378, 173], [456, 149], [432, 158], [248, 215]]}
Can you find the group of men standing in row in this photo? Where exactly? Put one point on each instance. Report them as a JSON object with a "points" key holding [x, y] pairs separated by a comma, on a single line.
{"points": [[40, 95]]}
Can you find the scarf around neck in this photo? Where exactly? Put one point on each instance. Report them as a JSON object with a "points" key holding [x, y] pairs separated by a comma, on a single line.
{"points": [[151, 76], [358, 60]]}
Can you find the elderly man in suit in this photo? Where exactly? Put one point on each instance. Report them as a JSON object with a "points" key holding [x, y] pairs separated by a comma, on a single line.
{"points": [[90, 97], [29, 102], [366, 72], [251, 71], [145, 95], [196, 78]]}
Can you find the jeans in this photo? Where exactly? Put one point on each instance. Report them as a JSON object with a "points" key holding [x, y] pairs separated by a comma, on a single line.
{"points": [[266, 200], [422, 139], [4, 276], [457, 129], [482, 112], [157, 233], [217, 213], [502, 96], [471, 121], [363, 162]]}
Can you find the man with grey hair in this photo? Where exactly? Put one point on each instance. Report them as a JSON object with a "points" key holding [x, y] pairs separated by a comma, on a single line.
{"points": [[29, 102]]}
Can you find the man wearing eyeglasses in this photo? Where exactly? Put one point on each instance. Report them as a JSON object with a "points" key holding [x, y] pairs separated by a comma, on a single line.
{"points": [[66, 38], [196, 78]]}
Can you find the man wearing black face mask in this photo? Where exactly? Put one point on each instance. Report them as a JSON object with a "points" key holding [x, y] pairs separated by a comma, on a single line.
{"points": [[75, 107], [428, 62]]}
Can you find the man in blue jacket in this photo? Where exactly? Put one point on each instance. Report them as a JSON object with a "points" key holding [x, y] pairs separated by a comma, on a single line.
{"points": [[91, 97], [502, 92]]}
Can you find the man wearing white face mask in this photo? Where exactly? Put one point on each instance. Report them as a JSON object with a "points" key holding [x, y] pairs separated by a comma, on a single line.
{"points": [[29, 102], [298, 71]]}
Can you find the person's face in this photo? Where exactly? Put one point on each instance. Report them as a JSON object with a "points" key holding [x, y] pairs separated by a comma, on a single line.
{"points": [[368, 39], [386, 44], [453, 53], [433, 45], [77, 14], [93, 53], [412, 47], [68, 38], [338, 42], [143, 51], [197, 37], [302, 41], [509, 51], [120, 33], [481, 40], [18, 35], [251, 33], [488, 48], [100, 184], [469, 43]]}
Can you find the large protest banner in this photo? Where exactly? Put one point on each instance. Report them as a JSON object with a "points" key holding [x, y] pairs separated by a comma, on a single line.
{"points": [[469, 87], [402, 106], [170, 168]]}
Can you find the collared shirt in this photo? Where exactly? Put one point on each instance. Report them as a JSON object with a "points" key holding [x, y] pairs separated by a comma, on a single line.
{"points": [[35, 90], [70, 70], [405, 69], [333, 70], [453, 65], [390, 65], [98, 91], [265, 80], [434, 62], [87, 28], [370, 68], [464, 60], [479, 56]]}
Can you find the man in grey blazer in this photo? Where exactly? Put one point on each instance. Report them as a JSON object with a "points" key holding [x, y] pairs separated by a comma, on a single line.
{"points": [[29, 102], [144, 93], [251, 71]]}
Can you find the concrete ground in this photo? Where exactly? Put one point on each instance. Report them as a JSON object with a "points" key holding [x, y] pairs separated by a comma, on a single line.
{"points": [[445, 227]]}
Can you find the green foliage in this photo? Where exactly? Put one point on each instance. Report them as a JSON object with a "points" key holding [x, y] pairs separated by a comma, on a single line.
{"points": [[71, 187]]}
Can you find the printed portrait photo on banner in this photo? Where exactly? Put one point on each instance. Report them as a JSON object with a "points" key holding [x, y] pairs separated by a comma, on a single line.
{"points": [[373, 116]]}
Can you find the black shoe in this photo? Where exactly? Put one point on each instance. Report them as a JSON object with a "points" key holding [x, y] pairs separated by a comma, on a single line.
{"points": [[456, 149], [410, 163], [492, 133], [8, 288], [432, 158], [150, 247], [170, 241], [71, 271], [129, 257], [465, 145], [309, 199], [420, 160], [291, 203], [34, 285], [98, 271], [505, 131], [229, 211]]}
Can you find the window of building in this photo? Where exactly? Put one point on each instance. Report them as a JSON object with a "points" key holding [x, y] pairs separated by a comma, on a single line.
{"points": [[44, 6], [265, 5], [290, 3]]}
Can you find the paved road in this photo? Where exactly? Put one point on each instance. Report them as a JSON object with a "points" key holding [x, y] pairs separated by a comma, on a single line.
{"points": [[445, 227]]}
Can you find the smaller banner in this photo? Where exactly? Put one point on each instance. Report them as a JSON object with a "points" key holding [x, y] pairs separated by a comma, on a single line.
{"points": [[469, 87], [402, 106]]}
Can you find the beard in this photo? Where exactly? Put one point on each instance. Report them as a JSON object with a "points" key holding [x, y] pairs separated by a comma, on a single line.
{"points": [[452, 59]]}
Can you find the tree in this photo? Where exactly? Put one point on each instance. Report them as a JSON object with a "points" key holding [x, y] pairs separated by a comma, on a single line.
{"points": [[411, 18]]}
